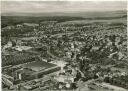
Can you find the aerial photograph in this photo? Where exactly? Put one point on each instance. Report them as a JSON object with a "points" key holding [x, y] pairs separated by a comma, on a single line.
{"points": [[64, 45]]}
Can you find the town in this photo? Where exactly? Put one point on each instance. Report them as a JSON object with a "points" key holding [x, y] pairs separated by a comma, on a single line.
{"points": [[64, 53]]}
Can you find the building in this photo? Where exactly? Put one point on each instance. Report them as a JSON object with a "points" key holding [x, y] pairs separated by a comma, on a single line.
{"points": [[31, 24], [35, 70], [22, 48]]}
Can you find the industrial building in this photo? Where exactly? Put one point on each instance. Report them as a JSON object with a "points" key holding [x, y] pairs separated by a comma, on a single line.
{"points": [[33, 70], [36, 69]]}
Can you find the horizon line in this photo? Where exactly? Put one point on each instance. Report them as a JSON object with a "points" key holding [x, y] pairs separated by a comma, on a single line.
{"points": [[68, 11]]}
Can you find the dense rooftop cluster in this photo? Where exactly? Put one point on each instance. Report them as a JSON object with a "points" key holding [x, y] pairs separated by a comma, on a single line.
{"points": [[91, 50]]}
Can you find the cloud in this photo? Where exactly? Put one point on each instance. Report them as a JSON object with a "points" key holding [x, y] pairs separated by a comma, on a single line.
{"points": [[61, 6]]}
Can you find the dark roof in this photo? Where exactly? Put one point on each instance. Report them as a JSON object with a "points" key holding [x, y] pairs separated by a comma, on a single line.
{"points": [[38, 65]]}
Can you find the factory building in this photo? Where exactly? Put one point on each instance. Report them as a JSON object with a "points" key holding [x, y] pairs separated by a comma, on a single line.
{"points": [[35, 70]]}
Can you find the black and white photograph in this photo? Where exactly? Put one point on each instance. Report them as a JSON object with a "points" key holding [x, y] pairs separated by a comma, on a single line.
{"points": [[64, 45]]}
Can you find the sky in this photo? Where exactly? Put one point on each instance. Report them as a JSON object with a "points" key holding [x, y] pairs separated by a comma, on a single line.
{"points": [[61, 6]]}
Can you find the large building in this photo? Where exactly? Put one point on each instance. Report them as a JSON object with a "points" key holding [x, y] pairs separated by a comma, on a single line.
{"points": [[32, 70], [37, 69]]}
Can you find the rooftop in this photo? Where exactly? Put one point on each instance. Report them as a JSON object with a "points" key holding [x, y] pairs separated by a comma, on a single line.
{"points": [[38, 65], [31, 24]]}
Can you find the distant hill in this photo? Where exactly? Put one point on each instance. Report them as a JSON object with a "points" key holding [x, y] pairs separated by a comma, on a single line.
{"points": [[18, 18], [73, 14], [14, 20]]}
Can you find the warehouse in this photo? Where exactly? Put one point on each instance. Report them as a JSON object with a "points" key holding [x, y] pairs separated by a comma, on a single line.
{"points": [[36, 69]]}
